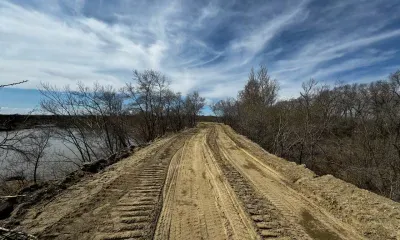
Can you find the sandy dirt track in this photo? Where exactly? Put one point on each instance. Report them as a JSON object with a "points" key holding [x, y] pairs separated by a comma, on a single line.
{"points": [[211, 183]]}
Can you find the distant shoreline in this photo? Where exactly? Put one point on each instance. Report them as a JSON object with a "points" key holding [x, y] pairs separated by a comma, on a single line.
{"points": [[13, 122]]}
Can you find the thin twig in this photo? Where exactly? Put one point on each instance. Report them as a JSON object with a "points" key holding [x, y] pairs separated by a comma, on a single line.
{"points": [[13, 84]]}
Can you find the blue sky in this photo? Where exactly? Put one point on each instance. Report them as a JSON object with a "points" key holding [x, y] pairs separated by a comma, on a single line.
{"points": [[200, 45]]}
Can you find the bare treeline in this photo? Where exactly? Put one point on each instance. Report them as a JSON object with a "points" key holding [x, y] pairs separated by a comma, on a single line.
{"points": [[351, 131], [94, 122], [158, 108], [101, 120]]}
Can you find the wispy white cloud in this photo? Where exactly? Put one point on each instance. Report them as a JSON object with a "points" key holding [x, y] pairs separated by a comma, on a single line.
{"points": [[205, 46], [251, 43]]}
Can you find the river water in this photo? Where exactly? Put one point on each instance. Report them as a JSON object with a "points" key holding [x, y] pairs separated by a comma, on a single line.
{"points": [[60, 158]]}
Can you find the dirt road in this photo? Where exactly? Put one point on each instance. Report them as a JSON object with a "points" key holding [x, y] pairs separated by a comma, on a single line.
{"points": [[211, 183]]}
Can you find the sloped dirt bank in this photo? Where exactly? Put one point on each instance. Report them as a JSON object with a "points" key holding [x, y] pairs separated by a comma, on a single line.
{"points": [[373, 216], [13, 208]]}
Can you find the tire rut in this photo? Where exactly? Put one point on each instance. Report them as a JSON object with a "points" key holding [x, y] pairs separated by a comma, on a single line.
{"points": [[198, 205], [127, 208], [265, 216], [136, 213]]}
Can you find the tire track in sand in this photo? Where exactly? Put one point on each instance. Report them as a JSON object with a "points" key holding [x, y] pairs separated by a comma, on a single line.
{"points": [[266, 218], [198, 184], [302, 214], [126, 208], [198, 205]]}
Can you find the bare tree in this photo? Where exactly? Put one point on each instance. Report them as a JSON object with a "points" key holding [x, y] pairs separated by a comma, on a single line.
{"points": [[157, 107], [259, 93], [193, 105], [226, 110], [147, 97], [34, 148], [90, 120]]}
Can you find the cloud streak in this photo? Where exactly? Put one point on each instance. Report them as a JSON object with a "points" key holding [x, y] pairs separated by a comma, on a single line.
{"points": [[208, 46]]}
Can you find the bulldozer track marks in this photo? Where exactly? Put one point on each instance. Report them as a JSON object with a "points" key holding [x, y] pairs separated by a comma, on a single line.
{"points": [[264, 215], [131, 203], [202, 183]]}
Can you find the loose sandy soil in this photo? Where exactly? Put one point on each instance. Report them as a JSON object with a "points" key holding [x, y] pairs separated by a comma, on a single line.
{"points": [[211, 183]]}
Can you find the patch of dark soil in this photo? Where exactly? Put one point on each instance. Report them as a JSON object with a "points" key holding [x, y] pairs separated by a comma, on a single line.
{"points": [[314, 228], [6, 209]]}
